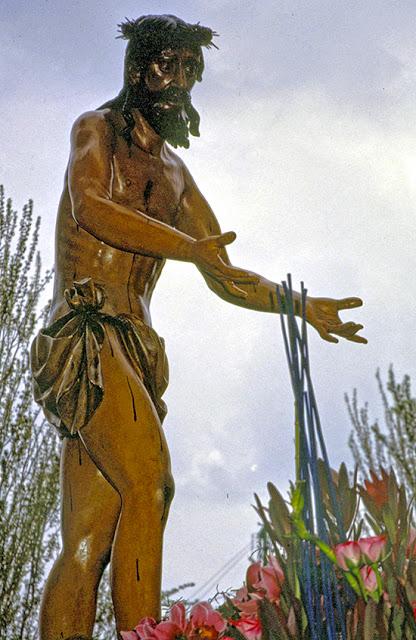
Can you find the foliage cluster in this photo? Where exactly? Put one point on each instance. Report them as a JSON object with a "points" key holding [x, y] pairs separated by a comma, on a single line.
{"points": [[377, 446], [28, 448]]}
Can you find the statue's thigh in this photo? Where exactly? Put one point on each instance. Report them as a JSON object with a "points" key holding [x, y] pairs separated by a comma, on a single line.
{"points": [[124, 436], [90, 506]]}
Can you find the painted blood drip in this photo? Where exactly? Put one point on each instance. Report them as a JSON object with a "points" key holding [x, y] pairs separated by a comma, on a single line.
{"points": [[147, 192], [132, 402], [137, 571]]}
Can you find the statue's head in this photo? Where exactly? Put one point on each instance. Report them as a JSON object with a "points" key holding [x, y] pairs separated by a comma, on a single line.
{"points": [[163, 61]]}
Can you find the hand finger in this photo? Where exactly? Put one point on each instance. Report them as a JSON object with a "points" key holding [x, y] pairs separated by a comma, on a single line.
{"points": [[349, 303], [226, 238], [325, 335], [345, 329], [233, 290], [229, 272], [360, 339], [349, 331]]}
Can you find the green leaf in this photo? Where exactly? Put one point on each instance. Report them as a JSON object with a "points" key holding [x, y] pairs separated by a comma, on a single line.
{"points": [[370, 620], [273, 624], [357, 530], [343, 479], [390, 523], [259, 508], [391, 588], [279, 512], [398, 622], [393, 495], [297, 499]]}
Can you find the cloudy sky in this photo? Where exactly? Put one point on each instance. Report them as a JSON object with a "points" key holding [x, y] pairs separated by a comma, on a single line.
{"points": [[308, 152]]}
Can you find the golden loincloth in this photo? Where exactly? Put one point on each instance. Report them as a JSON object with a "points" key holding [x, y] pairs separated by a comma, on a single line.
{"points": [[65, 359]]}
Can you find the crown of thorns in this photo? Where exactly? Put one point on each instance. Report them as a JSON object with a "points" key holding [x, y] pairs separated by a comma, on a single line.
{"points": [[153, 32]]}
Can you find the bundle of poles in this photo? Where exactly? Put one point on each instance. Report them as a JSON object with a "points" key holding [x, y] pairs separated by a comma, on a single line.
{"points": [[318, 583]]}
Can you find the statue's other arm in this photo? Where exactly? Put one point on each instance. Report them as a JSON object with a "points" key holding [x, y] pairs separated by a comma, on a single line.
{"points": [[198, 220], [90, 185]]}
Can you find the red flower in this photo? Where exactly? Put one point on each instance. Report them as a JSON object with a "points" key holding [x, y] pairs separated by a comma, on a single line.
{"points": [[378, 488], [348, 555], [249, 626]]}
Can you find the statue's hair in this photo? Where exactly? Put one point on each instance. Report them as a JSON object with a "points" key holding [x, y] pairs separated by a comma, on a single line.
{"points": [[149, 35]]}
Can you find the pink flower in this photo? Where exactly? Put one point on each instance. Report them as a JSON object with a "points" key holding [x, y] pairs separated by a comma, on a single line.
{"points": [[372, 548], [249, 626], [247, 607], [174, 627], [204, 622], [348, 555], [168, 631], [265, 581], [129, 635], [369, 579], [253, 575], [246, 602], [271, 579], [144, 630], [177, 615]]}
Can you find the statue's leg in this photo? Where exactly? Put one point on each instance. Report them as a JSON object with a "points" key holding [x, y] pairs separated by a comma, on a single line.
{"points": [[126, 441], [90, 509]]}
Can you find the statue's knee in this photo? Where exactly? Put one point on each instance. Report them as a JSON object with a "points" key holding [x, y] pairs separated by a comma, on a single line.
{"points": [[157, 496], [86, 557]]}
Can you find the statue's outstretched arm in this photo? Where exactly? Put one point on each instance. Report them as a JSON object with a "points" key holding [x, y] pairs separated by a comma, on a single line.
{"points": [[198, 220]]}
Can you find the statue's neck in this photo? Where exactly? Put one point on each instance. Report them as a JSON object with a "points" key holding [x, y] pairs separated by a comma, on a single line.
{"points": [[144, 136]]}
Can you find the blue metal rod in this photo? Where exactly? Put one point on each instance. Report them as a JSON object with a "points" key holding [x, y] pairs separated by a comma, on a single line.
{"points": [[310, 438]]}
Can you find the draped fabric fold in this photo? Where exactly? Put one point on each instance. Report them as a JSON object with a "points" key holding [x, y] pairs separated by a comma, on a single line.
{"points": [[65, 359]]}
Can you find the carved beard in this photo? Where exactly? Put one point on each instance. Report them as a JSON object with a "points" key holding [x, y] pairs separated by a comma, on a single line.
{"points": [[174, 124]]}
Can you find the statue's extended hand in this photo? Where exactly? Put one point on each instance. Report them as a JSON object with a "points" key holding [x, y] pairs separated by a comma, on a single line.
{"points": [[322, 313], [206, 256]]}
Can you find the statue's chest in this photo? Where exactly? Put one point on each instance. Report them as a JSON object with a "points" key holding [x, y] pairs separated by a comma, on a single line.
{"points": [[151, 185]]}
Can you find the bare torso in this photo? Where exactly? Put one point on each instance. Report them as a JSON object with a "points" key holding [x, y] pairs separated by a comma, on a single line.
{"points": [[151, 184]]}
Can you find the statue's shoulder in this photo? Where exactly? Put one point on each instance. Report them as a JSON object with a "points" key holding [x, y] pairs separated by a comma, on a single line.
{"points": [[97, 125]]}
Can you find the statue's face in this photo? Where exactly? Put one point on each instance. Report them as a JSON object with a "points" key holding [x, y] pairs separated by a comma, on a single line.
{"points": [[163, 94], [172, 69]]}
